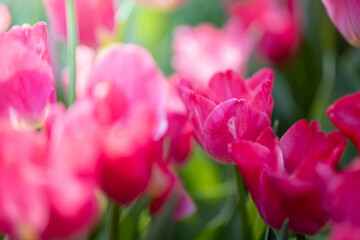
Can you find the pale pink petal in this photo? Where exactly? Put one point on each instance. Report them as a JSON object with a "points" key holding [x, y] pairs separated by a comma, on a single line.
{"points": [[5, 18], [204, 50], [345, 16]]}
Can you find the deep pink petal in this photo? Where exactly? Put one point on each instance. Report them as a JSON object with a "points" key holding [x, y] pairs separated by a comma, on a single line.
{"points": [[230, 122], [345, 115]]}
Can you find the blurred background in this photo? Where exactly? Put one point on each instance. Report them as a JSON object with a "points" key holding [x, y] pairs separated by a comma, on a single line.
{"points": [[324, 68]]}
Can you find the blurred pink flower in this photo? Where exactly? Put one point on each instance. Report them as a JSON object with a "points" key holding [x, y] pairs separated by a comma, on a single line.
{"points": [[277, 25], [26, 78], [345, 15], [94, 18], [228, 110], [165, 5], [40, 198], [345, 115], [179, 135], [166, 186], [282, 176], [5, 18], [202, 51], [128, 93]]}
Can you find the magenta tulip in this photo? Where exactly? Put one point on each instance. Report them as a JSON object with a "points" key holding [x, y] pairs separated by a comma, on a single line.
{"points": [[228, 110], [343, 201], [345, 115], [281, 176], [277, 25], [128, 93]]}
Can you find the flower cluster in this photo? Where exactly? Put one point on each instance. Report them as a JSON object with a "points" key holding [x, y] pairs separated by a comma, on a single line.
{"points": [[131, 128]]}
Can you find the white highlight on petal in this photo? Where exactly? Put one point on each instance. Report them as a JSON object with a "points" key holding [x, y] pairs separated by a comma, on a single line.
{"points": [[232, 128], [101, 90]]}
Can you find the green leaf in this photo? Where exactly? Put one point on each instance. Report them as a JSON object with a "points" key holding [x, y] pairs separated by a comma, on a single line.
{"points": [[283, 234], [255, 221], [161, 226]]}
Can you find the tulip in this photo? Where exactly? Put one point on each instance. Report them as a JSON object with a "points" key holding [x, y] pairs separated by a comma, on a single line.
{"points": [[282, 176], [343, 200], [344, 114], [179, 134], [345, 16], [204, 50], [166, 186], [228, 110], [5, 18], [26, 80], [94, 18], [276, 24], [40, 197], [128, 94]]}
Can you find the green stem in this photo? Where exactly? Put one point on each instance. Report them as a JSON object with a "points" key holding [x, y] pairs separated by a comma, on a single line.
{"points": [[300, 237], [114, 225], [71, 25], [245, 228]]}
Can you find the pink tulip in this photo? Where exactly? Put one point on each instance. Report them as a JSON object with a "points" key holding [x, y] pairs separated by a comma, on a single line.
{"points": [[40, 197], [344, 114], [276, 23], [26, 79], [165, 5], [343, 201], [204, 50], [179, 134], [166, 186], [5, 18], [94, 18], [128, 93], [228, 110], [282, 176], [345, 15], [23, 201]]}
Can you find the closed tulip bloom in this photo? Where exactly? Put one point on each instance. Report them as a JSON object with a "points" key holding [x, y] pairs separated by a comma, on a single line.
{"points": [[344, 114], [203, 50], [282, 176], [276, 24], [128, 93], [26, 78], [94, 18], [228, 110], [345, 16]]}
